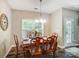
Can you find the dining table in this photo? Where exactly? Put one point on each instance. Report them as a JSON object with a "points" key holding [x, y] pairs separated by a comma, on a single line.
{"points": [[27, 42]]}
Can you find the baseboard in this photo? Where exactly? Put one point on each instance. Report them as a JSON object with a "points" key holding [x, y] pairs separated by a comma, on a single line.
{"points": [[72, 45], [8, 50], [61, 46]]}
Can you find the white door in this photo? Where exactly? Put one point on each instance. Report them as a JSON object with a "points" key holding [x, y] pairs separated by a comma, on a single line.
{"points": [[68, 30]]}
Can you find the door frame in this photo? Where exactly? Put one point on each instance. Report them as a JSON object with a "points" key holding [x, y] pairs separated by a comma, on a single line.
{"points": [[63, 25]]}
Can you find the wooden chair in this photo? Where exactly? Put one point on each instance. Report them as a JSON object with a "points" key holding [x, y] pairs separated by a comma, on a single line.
{"points": [[26, 49], [31, 35], [55, 34], [35, 46], [43, 42], [17, 45], [20, 48], [52, 45]]}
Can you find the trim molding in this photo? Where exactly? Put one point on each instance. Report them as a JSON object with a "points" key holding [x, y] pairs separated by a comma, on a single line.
{"points": [[8, 51], [61, 46]]}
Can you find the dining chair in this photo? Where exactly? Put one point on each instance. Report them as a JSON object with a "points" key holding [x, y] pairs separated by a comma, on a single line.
{"points": [[43, 42], [26, 49], [20, 48], [17, 45], [54, 34], [52, 45], [35, 47]]}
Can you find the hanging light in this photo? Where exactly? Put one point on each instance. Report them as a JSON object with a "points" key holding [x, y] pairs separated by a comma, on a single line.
{"points": [[41, 19], [44, 21], [37, 21], [40, 8]]}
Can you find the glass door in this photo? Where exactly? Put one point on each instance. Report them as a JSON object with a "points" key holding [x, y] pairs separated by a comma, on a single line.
{"points": [[68, 30]]}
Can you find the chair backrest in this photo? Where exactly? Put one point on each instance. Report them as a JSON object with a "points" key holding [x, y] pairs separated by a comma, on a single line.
{"points": [[16, 43], [54, 46], [55, 34], [45, 37], [35, 45], [16, 40], [36, 40], [52, 42]]}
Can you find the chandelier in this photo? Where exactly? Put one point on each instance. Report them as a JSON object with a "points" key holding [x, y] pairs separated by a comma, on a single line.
{"points": [[42, 20]]}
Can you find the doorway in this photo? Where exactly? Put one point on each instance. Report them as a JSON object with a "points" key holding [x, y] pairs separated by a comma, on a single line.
{"points": [[69, 32]]}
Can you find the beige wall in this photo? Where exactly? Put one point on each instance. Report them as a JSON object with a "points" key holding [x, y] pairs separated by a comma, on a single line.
{"points": [[5, 36], [57, 25], [18, 15]]}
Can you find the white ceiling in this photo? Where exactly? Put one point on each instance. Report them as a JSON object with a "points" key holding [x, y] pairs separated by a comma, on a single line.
{"points": [[48, 6]]}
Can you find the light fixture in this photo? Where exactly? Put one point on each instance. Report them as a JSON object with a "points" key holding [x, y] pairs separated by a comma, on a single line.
{"points": [[41, 19], [37, 21], [40, 8], [44, 21]]}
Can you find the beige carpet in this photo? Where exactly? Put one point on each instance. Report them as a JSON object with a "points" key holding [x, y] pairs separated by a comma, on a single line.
{"points": [[60, 53], [73, 51]]}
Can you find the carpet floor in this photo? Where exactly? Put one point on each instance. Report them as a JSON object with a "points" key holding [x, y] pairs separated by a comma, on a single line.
{"points": [[60, 53]]}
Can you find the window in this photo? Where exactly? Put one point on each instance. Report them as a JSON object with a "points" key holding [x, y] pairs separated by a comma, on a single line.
{"points": [[29, 26]]}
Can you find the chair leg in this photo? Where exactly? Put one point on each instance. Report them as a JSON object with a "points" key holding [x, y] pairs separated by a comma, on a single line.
{"points": [[16, 54], [28, 53], [54, 54], [24, 52]]}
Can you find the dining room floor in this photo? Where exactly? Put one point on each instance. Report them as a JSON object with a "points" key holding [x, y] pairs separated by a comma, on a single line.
{"points": [[60, 53]]}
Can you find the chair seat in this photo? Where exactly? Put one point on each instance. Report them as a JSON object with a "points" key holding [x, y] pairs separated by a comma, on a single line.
{"points": [[37, 52], [49, 50]]}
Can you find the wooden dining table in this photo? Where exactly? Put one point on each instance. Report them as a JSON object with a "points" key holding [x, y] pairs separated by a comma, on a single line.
{"points": [[27, 43], [44, 45]]}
